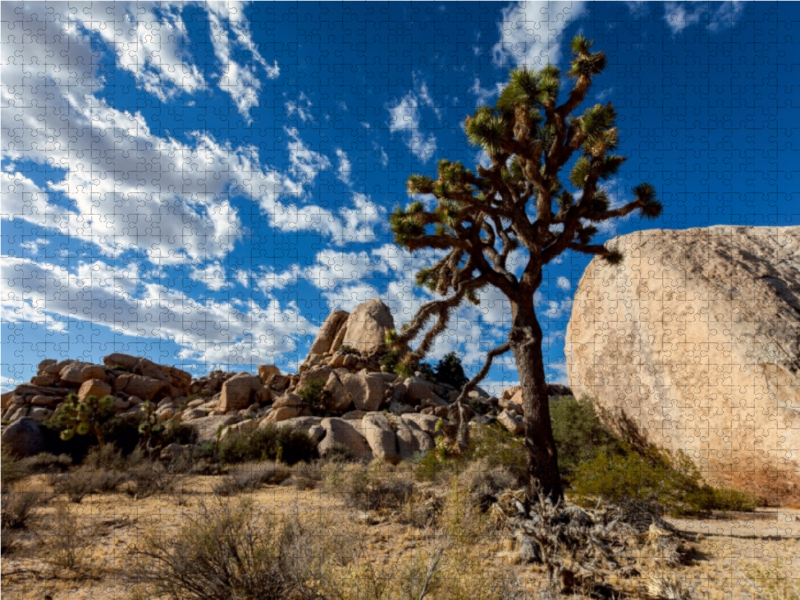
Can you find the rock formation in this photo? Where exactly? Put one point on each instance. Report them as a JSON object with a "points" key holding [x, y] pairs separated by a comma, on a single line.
{"points": [[694, 338]]}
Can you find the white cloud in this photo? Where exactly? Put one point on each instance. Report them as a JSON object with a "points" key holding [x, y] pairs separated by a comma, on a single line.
{"points": [[105, 295], [485, 94], [300, 107], [240, 81], [563, 283], [212, 275], [306, 164], [153, 48], [33, 246], [679, 15], [345, 167], [531, 32], [405, 117]]}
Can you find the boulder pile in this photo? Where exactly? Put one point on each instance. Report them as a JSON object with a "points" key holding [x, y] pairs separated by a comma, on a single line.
{"points": [[341, 394]]}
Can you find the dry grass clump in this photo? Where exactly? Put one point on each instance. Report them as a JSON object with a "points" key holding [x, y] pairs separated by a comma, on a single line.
{"points": [[377, 486], [67, 543], [248, 477], [229, 549], [82, 482]]}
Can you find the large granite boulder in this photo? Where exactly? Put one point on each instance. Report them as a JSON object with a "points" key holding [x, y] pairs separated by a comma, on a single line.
{"points": [[327, 333], [24, 438], [694, 341], [350, 434], [238, 391], [366, 327]]}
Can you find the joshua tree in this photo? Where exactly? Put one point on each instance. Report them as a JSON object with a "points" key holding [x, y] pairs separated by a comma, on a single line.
{"points": [[518, 204]]}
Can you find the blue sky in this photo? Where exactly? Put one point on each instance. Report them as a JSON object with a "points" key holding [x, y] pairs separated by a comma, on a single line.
{"points": [[202, 184]]}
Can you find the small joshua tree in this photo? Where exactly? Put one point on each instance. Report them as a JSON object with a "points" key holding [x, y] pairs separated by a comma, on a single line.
{"points": [[84, 417], [518, 204]]}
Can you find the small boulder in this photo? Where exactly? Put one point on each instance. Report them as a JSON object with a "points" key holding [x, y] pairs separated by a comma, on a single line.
{"points": [[288, 400], [346, 433], [78, 372], [172, 452], [40, 414], [411, 439], [93, 387], [138, 385], [327, 333], [425, 422], [510, 422], [23, 438], [237, 391], [267, 371], [365, 389], [238, 429], [381, 437]]}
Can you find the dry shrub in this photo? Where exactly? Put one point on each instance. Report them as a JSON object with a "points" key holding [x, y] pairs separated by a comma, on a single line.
{"points": [[249, 477], [307, 475], [230, 550], [18, 504], [485, 482], [150, 478], [377, 486], [463, 519], [66, 544], [83, 482]]}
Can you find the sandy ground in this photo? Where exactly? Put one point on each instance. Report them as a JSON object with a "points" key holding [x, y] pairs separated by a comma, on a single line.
{"points": [[736, 555]]}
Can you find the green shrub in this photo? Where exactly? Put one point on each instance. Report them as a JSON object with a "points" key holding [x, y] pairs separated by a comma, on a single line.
{"points": [[270, 443], [315, 395], [500, 448], [579, 434], [123, 432], [347, 349], [450, 371], [672, 480]]}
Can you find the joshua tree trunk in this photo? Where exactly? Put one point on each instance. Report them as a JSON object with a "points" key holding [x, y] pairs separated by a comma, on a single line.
{"points": [[526, 344]]}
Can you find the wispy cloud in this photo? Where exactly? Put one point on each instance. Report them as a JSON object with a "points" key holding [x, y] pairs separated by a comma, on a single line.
{"points": [[531, 33]]}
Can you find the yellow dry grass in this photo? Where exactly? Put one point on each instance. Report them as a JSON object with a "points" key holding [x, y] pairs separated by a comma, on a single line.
{"points": [[743, 556]]}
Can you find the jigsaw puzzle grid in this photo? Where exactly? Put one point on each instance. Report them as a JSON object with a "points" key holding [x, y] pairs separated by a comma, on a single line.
{"points": [[203, 184]]}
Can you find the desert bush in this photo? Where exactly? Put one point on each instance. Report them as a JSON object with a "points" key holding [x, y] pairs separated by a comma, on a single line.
{"points": [[772, 582], [148, 478], [83, 417], [18, 504], [579, 434], [250, 476], [449, 370], [500, 448], [315, 395], [484, 482], [105, 457], [270, 443], [670, 479], [229, 550], [82, 482], [14, 469], [463, 519], [377, 486], [307, 475], [66, 546]]}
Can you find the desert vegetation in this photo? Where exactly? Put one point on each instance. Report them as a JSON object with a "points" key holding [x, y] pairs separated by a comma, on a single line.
{"points": [[263, 516]]}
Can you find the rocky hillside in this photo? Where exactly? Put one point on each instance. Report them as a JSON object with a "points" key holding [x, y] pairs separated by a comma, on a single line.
{"points": [[341, 394], [694, 339]]}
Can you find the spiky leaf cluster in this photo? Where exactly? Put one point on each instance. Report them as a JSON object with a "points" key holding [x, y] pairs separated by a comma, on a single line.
{"points": [[478, 218], [77, 417]]}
